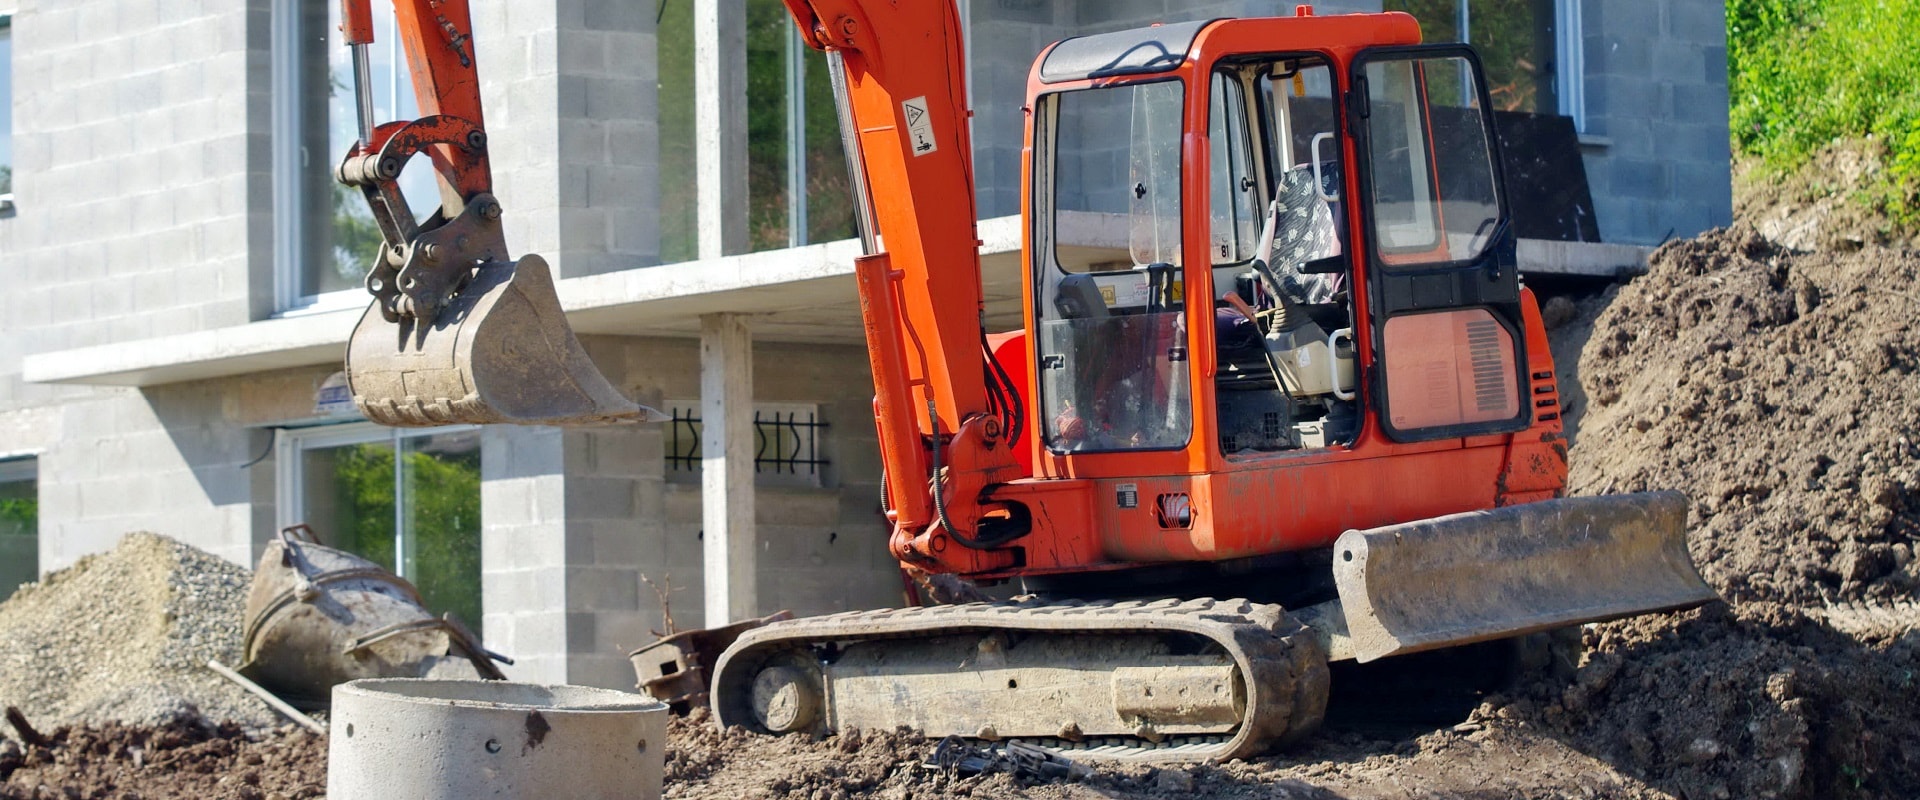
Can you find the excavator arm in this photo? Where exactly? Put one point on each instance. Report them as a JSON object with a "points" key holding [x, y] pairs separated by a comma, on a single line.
{"points": [[947, 413], [458, 332]]}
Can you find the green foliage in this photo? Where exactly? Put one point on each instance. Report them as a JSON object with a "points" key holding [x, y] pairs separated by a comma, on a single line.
{"points": [[1803, 75], [19, 515], [1513, 37], [443, 516], [356, 237]]}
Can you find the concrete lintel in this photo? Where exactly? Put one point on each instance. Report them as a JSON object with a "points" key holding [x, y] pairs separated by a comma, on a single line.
{"points": [[720, 124], [1596, 259], [729, 543]]}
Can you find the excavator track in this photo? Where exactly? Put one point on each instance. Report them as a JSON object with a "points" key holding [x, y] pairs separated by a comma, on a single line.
{"points": [[871, 668]]}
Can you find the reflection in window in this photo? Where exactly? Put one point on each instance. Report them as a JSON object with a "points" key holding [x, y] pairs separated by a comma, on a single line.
{"points": [[1432, 166], [19, 524], [1515, 39], [417, 514], [336, 233], [6, 105], [1100, 177], [797, 189]]}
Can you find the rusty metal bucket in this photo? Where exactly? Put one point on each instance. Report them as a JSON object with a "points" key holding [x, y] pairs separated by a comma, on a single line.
{"points": [[499, 351], [317, 617], [1486, 575]]}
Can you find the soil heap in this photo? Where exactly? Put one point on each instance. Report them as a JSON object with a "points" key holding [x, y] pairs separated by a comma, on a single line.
{"points": [[1781, 391], [125, 635]]}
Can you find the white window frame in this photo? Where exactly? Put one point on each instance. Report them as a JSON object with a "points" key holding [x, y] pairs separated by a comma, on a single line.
{"points": [[290, 478], [6, 96], [290, 161]]}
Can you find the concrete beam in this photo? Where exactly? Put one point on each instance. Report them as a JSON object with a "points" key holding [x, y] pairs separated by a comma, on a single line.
{"points": [[720, 124], [729, 544]]}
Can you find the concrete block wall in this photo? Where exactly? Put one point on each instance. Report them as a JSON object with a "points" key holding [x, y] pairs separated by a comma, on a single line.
{"points": [[571, 90], [1656, 94], [577, 522], [139, 138]]}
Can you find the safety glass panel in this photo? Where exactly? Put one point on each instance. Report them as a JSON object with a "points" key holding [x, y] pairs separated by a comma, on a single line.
{"points": [[1115, 168], [1115, 383], [1449, 368], [1434, 191], [1234, 194]]}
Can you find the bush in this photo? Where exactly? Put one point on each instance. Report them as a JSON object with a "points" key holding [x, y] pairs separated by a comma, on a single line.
{"points": [[1804, 74]]}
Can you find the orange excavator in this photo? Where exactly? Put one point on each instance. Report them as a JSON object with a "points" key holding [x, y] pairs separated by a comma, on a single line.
{"points": [[1280, 397]]}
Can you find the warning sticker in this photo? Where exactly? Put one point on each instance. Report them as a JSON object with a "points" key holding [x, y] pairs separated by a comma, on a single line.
{"points": [[1127, 495], [919, 126]]}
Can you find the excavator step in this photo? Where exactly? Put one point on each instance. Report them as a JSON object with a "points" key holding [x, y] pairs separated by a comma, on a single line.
{"points": [[1170, 680]]}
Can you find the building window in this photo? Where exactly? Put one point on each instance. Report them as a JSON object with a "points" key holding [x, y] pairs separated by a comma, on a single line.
{"points": [[797, 188], [6, 112], [406, 499], [1531, 49], [787, 443], [325, 236], [19, 524]]}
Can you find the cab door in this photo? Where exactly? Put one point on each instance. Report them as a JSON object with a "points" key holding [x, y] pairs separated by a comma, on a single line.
{"points": [[1444, 293]]}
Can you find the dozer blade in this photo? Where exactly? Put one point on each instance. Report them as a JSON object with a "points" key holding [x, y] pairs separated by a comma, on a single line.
{"points": [[501, 351], [1491, 574]]}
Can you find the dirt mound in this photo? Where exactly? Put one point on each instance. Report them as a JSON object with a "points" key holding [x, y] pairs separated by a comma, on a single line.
{"points": [[186, 758], [125, 635], [1781, 391]]}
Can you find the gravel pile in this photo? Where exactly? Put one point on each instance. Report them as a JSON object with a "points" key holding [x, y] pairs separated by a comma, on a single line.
{"points": [[124, 636]]}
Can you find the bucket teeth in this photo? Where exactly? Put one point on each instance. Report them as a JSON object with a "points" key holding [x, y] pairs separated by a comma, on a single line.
{"points": [[500, 352]]}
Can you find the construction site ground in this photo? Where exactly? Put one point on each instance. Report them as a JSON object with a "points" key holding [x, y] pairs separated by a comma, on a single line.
{"points": [[1779, 388]]}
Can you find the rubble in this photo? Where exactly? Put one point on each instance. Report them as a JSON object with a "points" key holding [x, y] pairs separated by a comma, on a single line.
{"points": [[124, 636]]}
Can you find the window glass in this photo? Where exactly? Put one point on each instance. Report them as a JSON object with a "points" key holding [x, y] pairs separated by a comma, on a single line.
{"points": [[419, 517], [1234, 189], [1434, 195], [19, 524], [6, 106], [679, 175], [1104, 181], [337, 235], [796, 167], [1516, 40], [1112, 341]]}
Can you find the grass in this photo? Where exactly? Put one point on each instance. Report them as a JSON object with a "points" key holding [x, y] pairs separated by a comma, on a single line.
{"points": [[1807, 73]]}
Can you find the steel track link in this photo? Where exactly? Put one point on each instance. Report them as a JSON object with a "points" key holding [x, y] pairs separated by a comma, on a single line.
{"points": [[1284, 668]]}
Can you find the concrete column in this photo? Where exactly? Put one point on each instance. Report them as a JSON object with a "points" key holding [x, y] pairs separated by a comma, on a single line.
{"points": [[720, 124], [726, 465]]}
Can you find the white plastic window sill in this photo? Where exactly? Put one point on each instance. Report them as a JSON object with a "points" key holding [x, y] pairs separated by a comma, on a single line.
{"points": [[6, 204], [326, 304]]}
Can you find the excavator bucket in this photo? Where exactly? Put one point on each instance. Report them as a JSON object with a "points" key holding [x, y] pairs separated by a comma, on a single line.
{"points": [[1491, 574], [500, 351]]}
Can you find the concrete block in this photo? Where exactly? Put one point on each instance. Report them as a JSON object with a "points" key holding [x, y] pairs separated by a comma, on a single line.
{"points": [[597, 588], [1678, 61]]}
